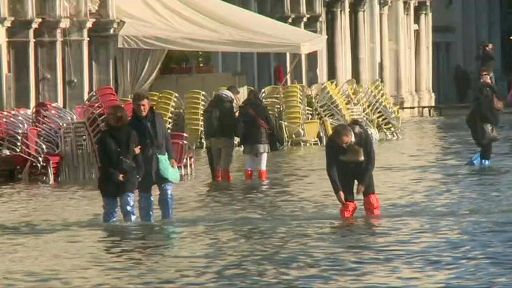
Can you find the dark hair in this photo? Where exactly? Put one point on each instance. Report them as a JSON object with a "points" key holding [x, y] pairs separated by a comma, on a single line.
{"points": [[252, 93], [117, 116], [233, 89], [485, 70], [139, 97], [340, 130]]}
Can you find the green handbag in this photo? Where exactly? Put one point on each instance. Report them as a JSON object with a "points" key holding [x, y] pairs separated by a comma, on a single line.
{"points": [[166, 170]]}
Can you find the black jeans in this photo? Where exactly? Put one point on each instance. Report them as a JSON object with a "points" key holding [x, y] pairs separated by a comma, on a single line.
{"points": [[347, 182], [485, 151]]}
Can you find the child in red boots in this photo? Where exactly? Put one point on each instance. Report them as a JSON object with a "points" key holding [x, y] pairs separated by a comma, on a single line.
{"points": [[351, 157]]}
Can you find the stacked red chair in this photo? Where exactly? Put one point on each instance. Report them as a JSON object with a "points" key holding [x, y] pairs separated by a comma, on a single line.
{"points": [[183, 152]]}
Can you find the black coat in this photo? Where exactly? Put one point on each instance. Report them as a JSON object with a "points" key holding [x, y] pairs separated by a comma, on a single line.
{"points": [[154, 140], [219, 118], [482, 111], [339, 170], [114, 144], [252, 133]]}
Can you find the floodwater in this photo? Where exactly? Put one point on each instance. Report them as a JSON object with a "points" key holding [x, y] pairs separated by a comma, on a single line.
{"points": [[443, 224]]}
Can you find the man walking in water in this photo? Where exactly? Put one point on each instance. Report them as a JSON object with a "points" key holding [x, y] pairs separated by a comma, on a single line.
{"points": [[350, 157]]}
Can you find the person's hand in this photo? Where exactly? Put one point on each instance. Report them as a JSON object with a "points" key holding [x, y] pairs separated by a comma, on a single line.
{"points": [[174, 163], [360, 188], [121, 177], [137, 150], [340, 197]]}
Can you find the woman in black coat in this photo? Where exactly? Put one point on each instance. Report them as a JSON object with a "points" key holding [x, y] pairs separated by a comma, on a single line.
{"points": [[120, 166], [350, 157], [255, 124], [482, 120]]}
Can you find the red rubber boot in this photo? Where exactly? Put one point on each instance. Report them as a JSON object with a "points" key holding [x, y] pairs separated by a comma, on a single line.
{"points": [[226, 176], [372, 205], [348, 209], [248, 174], [263, 175], [218, 175]]}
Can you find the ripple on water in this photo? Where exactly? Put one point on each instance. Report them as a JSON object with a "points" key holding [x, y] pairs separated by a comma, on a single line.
{"points": [[443, 224]]}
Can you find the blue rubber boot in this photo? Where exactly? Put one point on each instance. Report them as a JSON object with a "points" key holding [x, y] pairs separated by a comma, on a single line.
{"points": [[475, 160]]}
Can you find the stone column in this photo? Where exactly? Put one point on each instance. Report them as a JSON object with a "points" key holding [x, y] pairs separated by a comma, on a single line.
{"points": [[361, 41], [6, 100], [384, 39], [322, 53], [21, 45], [103, 45], [347, 42], [338, 44], [76, 61], [422, 69], [495, 38], [411, 54], [375, 43], [401, 84], [431, 96], [469, 35], [49, 53]]}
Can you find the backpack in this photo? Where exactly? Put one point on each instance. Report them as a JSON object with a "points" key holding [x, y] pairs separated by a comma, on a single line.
{"points": [[211, 122]]}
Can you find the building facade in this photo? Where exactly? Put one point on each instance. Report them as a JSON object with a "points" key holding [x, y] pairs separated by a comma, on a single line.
{"points": [[460, 28], [59, 50], [367, 40]]}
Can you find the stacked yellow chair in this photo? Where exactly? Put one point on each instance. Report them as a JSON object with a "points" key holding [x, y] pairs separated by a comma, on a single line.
{"points": [[164, 102], [293, 113], [272, 97], [194, 105]]}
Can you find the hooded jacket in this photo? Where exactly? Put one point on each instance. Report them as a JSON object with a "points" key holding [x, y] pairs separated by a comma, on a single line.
{"points": [[219, 117]]}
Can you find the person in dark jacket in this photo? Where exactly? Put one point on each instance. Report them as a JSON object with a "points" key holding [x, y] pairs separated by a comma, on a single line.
{"points": [[120, 166], [487, 60], [155, 140], [350, 157], [219, 131], [482, 120], [255, 125]]}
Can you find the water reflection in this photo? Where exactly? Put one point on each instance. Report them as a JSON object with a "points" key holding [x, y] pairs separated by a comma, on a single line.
{"points": [[443, 224]]}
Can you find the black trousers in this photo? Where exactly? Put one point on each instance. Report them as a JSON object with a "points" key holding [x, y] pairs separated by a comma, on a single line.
{"points": [[347, 181], [210, 161], [485, 151]]}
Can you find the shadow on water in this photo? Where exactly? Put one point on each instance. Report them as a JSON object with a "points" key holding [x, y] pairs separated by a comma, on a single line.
{"points": [[443, 224]]}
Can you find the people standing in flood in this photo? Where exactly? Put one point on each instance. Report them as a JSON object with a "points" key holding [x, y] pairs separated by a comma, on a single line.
{"points": [[483, 119], [120, 166], [350, 157], [255, 124], [155, 140], [219, 131]]}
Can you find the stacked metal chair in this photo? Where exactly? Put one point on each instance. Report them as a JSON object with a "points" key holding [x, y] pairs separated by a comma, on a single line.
{"points": [[165, 102], [96, 108], [48, 120], [272, 97], [195, 104], [78, 151], [293, 112], [15, 151]]}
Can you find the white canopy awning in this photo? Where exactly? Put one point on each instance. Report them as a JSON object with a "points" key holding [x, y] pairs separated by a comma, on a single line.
{"points": [[207, 25]]}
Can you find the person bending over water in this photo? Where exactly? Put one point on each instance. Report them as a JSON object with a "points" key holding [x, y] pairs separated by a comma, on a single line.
{"points": [[350, 157]]}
